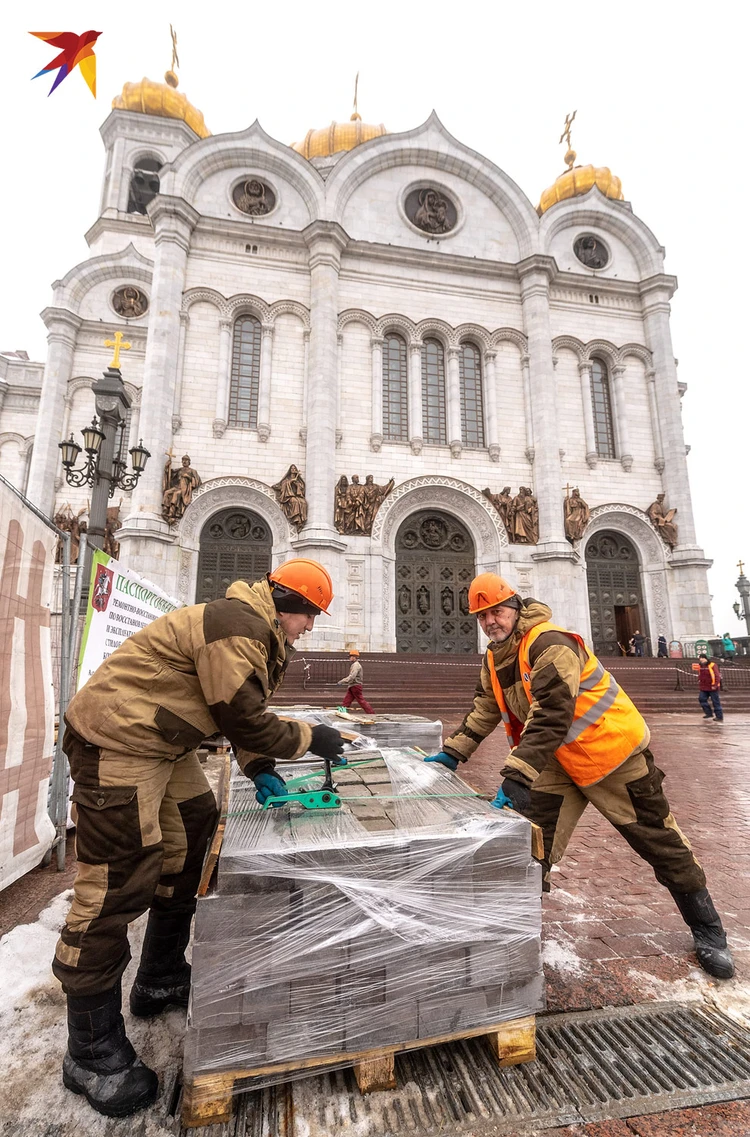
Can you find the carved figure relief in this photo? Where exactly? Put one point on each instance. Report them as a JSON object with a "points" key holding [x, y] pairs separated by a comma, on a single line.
{"points": [[71, 523], [355, 505], [662, 520], [254, 197], [502, 502], [111, 525], [577, 514], [290, 493], [591, 252], [431, 211], [129, 302], [178, 487], [520, 514]]}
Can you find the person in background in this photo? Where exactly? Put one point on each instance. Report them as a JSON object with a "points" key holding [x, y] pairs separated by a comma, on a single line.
{"points": [[353, 683], [727, 644], [709, 683], [638, 641], [662, 651]]}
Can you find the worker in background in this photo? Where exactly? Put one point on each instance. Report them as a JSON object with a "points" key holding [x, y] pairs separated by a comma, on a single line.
{"points": [[576, 738], [709, 685], [353, 683], [144, 810], [727, 644]]}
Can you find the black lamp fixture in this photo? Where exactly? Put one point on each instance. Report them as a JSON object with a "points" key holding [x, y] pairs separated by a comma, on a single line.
{"points": [[93, 438]]}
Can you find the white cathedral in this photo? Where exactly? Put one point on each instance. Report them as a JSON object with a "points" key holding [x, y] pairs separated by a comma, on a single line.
{"points": [[372, 304]]}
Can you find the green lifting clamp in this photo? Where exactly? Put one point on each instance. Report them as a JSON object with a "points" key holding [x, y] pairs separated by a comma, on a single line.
{"points": [[324, 798]]}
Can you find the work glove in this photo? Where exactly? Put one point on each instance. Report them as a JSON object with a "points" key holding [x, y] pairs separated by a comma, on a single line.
{"points": [[444, 759], [269, 785], [515, 794], [328, 743]]}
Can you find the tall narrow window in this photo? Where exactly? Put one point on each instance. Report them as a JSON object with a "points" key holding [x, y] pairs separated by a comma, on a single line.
{"points": [[144, 184], [472, 411], [395, 390], [433, 393], [243, 391], [601, 400]]}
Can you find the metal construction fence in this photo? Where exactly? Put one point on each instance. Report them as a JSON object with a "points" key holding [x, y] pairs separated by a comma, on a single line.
{"points": [[37, 645]]}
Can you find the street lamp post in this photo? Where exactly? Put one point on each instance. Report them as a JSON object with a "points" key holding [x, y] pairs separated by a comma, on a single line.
{"points": [[743, 587], [104, 443]]}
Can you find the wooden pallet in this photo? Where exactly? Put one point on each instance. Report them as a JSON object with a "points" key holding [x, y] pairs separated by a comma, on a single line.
{"points": [[207, 1098]]}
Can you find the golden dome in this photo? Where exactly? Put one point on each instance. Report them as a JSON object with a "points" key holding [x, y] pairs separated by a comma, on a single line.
{"points": [[579, 180], [162, 100], [338, 136]]}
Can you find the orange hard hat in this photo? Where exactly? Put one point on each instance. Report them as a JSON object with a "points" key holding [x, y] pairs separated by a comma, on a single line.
{"points": [[308, 579], [487, 590], [353, 651]]}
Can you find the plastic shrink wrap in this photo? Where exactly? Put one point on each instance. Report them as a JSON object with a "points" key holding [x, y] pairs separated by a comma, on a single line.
{"points": [[385, 730], [410, 913]]}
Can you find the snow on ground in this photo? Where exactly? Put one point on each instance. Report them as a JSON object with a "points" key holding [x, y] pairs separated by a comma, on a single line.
{"points": [[33, 1100]]}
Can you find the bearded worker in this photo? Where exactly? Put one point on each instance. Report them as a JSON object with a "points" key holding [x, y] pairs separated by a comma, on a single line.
{"points": [[144, 810], [575, 737]]}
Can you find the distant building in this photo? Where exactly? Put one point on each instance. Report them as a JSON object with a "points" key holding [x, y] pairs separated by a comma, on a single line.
{"points": [[373, 303]]}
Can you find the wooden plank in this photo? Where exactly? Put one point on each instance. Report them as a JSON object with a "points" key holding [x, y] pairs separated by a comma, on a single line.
{"points": [[212, 856], [376, 1073], [514, 1042], [207, 1100]]}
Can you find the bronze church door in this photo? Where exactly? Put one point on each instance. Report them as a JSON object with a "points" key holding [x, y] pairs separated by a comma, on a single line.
{"points": [[615, 594], [434, 567], [235, 545]]}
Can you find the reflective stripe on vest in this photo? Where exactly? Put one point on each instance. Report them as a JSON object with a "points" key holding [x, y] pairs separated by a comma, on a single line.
{"points": [[606, 726]]}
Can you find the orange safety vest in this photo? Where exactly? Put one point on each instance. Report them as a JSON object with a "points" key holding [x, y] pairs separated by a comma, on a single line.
{"points": [[606, 726]]}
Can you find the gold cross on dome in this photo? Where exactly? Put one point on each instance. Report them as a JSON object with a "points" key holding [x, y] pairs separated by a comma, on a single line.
{"points": [[119, 346], [741, 566]]}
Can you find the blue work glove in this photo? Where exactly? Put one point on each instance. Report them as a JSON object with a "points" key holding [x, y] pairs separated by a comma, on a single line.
{"points": [[444, 759], [269, 785], [501, 801]]}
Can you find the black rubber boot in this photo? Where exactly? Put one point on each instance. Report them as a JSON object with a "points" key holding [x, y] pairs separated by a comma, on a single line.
{"points": [[101, 1063], [698, 912], [163, 978]]}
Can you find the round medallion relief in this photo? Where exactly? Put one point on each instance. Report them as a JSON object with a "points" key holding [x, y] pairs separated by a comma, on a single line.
{"points": [[253, 197], [431, 210], [591, 251], [129, 302]]}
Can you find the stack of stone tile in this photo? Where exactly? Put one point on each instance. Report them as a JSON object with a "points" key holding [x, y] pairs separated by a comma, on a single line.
{"points": [[411, 913], [386, 730]]}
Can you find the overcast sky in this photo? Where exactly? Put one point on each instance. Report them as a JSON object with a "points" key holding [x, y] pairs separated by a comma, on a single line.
{"points": [[660, 90]]}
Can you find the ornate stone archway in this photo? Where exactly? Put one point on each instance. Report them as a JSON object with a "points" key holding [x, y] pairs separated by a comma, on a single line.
{"points": [[214, 496]]}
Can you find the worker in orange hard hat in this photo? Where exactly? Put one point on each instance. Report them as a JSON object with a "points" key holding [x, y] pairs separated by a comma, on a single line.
{"points": [[575, 737], [353, 683], [145, 812]]}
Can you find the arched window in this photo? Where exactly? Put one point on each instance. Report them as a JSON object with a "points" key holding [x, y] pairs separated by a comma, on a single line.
{"points": [[243, 390], [395, 390], [433, 393], [472, 411], [144, 184], [601, 400]]}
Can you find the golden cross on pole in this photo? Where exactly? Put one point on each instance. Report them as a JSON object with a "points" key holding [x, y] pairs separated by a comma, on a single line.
{"points": [[119, 346], [570, 157], [175, 57], [355, 112], [741, 566], [170, 454]]}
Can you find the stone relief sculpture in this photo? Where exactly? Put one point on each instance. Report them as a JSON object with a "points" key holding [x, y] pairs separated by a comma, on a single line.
{"points": [[520, 514], [523, 518], [254, 197], [502, 502], [355, 505], [129, 302], [178, 487], [577, 514], [431, 211], [70, 522], [111, 525], [662, 520], [290, 494]]}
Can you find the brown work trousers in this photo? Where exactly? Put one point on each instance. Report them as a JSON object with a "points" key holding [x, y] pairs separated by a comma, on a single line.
{"points": [[632, 799], [142, 827]]}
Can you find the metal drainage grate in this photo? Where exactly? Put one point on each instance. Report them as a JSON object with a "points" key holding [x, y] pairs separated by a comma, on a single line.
{"points": [[591, 1066]]}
